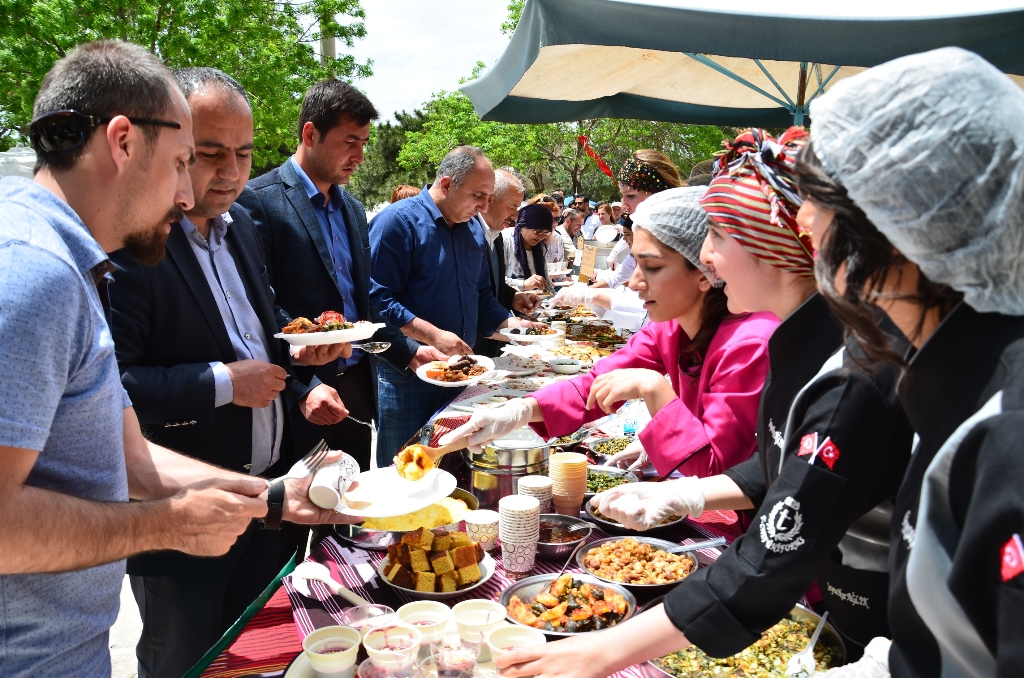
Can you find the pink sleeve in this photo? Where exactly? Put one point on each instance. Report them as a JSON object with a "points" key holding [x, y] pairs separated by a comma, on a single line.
{"points": [[724, 435], [563, 403]]}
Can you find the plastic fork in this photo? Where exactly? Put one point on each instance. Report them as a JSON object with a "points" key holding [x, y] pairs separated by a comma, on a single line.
{"points": [[802, 663]]}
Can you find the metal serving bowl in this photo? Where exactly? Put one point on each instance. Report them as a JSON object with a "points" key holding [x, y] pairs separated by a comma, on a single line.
{"points": [[561, 550], [829, 636], [610, 471], [616, 528], [528, 589], [656, 543], [379, 540]]}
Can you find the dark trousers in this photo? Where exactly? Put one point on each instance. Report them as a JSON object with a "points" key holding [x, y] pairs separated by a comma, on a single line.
{"points": [[183, 617], [355, 387]]}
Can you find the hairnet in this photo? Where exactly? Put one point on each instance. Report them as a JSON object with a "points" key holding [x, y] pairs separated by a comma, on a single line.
{"points": [[677, 220], [931, 147]]}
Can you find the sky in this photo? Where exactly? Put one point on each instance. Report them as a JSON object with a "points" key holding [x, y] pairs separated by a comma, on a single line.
{"points": [[418, 49]]}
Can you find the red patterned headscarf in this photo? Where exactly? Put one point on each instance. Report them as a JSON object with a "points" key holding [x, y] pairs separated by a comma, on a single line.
{"points": [[754, 198]]}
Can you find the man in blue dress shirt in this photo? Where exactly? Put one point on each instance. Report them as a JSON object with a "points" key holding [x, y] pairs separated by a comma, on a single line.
{"points": [[430, 278]]}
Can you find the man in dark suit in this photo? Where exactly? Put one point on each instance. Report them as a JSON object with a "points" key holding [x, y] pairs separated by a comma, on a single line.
{"points": [[194, 339], [317, 252], [501, 214]]}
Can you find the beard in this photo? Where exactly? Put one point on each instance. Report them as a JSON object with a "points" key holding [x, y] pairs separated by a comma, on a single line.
{"points": [[148, 246]]}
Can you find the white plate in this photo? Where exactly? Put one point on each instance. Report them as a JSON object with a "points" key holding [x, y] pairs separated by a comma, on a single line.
{"points": [[518, 366], [606, 234], [357, 333], [529, 338], [389, 495], [486, 572], [528, 384], [487, 401], [421, 372]]}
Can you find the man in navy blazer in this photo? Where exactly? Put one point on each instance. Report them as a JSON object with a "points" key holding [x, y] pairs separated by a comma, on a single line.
{"points": [[317, 251]]}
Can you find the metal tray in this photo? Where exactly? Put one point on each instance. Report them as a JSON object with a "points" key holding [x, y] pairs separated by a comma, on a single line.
{"points": [[379, 540], [617, 528], [528, 589], [656, 543]]}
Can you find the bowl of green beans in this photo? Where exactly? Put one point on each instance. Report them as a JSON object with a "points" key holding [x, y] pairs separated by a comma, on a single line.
{"points": [[601, 478]]}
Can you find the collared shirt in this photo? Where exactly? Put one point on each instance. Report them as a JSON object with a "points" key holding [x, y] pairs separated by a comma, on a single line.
{"points": [[494, 241], [245, 331], [568, 244], [60, 395], [423, 268], [332, 222], [591, 225]]}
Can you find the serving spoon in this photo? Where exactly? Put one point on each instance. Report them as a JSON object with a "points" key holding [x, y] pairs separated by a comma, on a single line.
{"points": [[373, 346], [316, 572], [710, 543], [802, 663]]}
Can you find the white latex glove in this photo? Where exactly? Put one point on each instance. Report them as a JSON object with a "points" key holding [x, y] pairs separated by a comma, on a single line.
{"points": [[874, 663], [574, 295], [641, 506], [488, 425], [633, 457]]}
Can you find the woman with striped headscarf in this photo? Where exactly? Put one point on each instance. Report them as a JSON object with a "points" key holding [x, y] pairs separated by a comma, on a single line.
{"points": [[832, 445]]}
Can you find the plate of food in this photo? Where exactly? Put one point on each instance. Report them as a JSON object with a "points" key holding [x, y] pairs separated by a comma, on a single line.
{"points": [[587, 354], [528, 384], [330, 327], [636, 562], [769, 656], [487, 401], [614, 527], [542, 602], [601, 478], [444, 515], [459, 371], [530, 334], [518, 366], [383, 493], [435, 565]]}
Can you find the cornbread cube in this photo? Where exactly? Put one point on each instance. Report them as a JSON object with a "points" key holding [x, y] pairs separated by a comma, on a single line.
{"points": [[424, 581], [441, 562], [412, 538], [479, 551], [469, 574], [460, 539], [448, 582], [393, 551], [419, 561], [442, 541], [405, 555], [399, 576], [464, 556], [421, 538]]}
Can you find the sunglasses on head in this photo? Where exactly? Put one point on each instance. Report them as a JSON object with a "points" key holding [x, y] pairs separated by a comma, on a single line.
{"points": [[67, 130]]}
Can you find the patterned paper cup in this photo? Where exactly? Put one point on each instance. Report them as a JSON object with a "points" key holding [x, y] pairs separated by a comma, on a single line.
{"points": [[482, 527], [518, 557]]}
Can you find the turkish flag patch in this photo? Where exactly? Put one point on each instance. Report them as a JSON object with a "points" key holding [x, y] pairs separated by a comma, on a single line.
{"points": [[1013, 558], [808, 445], [829, 453]]}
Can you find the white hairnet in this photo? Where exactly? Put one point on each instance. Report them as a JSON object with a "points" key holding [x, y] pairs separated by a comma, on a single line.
{"points": [[677, 220], [931, 147]]}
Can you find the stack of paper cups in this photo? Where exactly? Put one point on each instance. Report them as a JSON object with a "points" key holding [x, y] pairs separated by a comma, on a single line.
{"points": [[519, 529], [539, 487], [568, 471]]}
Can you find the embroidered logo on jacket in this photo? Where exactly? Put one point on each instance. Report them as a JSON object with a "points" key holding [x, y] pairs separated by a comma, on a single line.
{"points": [[908, 531], [851, 598], [780, 529], [774, 433], [1013, 558]]}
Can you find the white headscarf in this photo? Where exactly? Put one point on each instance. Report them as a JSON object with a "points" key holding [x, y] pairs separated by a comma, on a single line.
{"points": [[931, 147], [677, 220]]}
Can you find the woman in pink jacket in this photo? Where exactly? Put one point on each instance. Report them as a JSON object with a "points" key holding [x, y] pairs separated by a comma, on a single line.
{"points": [[704, 416]]}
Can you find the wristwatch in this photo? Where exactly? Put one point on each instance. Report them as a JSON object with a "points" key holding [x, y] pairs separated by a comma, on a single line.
{"points": [[275, 506]]}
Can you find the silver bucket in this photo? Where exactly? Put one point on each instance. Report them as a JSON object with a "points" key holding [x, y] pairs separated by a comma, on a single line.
{"points": [[494, 472]]}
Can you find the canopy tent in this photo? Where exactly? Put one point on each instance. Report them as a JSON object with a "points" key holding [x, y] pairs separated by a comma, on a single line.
{"points": [[732, 64]]}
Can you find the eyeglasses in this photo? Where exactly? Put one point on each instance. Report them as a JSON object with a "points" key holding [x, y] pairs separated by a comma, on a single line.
{"points": [[67, 130]]}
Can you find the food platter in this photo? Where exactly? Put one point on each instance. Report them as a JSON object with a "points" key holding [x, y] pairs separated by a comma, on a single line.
{"points": [[611, 527], [528, 589], [655, 543], [518, 366], [378, 540], [481, 360], [486, 572], [382, 493], [361, 331], [528, 384], [514, 334], [487, 401]]}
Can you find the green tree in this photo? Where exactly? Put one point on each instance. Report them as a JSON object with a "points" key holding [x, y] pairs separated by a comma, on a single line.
{"points": [[515, 11], [379, 175], [267, 45]]}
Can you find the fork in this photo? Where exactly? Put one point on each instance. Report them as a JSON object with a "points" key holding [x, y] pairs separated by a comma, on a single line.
{"points": [[802, 663], [308, 465]]}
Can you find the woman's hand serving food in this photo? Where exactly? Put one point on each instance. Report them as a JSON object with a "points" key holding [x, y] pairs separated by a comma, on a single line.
{"points": [[489, 425]]}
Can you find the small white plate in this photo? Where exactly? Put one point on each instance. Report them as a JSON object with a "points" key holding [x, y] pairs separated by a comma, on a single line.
{"points": [[487, 401], [386, 494], [486, 362], [358, 333], [486, 572], [512, 334], [518, 366], [606, 234]]}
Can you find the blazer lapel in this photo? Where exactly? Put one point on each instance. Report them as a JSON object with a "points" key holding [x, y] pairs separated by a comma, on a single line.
{"points": [[296, 194], [180, 252]]}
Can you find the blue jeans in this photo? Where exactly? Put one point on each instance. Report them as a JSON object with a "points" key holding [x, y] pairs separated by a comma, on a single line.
{"points": [[405, 404]]}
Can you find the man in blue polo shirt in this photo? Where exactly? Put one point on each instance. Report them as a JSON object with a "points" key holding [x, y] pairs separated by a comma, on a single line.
{"points": [[430, 278]]}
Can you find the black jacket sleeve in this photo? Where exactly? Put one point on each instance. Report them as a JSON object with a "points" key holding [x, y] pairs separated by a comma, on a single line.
{"points": [[749, 476], [806, 511]]}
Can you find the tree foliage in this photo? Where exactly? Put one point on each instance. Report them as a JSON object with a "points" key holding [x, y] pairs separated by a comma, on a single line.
{"points": [[266, 45], [380, 173]]}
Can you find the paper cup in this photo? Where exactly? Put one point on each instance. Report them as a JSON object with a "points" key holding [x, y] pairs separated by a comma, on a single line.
{"points": [[393, 646], [476, 618], [366, 617], [507, 638], [518, 557], [332, 651], [482, 527], [430, 617], [325, 491]]}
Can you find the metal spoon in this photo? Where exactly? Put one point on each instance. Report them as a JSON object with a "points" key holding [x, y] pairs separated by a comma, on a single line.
{"points": [[802, 663], [571, 557], [317, 572], [710, 543], [373, 346]]}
